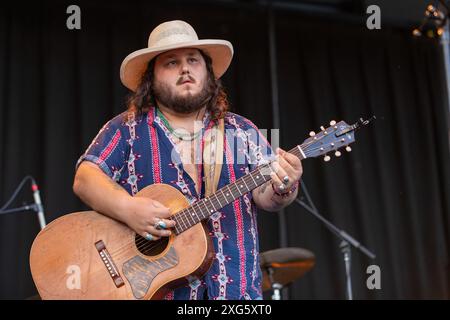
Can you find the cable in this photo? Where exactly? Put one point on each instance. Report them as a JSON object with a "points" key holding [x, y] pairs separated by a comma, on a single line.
{"points": [[17, 191]]}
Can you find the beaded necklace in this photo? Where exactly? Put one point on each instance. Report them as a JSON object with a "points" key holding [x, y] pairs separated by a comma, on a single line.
{"points": [[181, 136]]}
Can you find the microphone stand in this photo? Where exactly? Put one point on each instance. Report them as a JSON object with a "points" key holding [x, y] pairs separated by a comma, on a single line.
{"points": [[346, 240], [37, 206], [24, 208]]}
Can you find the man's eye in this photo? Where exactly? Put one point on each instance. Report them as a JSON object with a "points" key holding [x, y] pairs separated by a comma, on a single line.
{"points": [[192, 59], [171, 63]]}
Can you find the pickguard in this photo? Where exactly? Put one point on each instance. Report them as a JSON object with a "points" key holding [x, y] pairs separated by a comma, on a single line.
{"points": [[141, 272]]}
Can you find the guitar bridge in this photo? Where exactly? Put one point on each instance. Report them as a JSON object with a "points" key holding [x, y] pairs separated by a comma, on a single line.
{"points": [[109, 263]]}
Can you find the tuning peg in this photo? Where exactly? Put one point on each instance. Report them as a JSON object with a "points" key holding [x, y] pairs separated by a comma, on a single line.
{"points": [[337, 153], [348, 148], [322, 128], [312, 134], [332, 123], [326, 158]]}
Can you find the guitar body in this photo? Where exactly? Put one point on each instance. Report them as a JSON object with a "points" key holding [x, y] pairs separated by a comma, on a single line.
{"points": [[86, 255]]}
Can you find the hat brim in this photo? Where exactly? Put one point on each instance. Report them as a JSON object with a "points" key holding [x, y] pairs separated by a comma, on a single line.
{"points": [[135, 64]]}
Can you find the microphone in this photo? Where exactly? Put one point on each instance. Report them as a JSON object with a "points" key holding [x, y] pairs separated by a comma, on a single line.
{"points": [[38, 207]]}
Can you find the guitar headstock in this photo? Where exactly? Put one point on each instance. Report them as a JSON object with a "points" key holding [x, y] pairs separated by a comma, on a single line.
{"points": [[332, 138]]}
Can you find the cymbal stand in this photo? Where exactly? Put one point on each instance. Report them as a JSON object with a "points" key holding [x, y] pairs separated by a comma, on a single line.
{"points": [[276, 287]]}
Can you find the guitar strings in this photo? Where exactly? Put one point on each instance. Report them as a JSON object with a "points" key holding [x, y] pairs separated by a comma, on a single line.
{"points": [[145, 245], [141, 243]]}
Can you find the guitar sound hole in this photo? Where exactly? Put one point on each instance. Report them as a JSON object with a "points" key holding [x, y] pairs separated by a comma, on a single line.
{"points": [[150, 248]]}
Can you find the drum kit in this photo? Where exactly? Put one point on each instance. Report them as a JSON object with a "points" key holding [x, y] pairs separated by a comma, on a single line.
{"points": [[283, 266]]}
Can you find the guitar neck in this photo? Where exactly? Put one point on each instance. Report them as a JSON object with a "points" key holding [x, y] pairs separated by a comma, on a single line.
{"points": [[204, 208], [329, 139]]}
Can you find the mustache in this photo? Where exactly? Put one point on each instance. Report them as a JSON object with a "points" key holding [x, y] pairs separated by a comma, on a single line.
{"points": [[182, 79]]}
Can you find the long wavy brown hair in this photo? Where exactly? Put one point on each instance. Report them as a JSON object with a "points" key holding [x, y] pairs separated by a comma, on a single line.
{"points": [[143, 99]]}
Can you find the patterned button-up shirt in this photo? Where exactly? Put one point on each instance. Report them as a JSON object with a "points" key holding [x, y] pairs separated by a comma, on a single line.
{"points": [[138, 151]]}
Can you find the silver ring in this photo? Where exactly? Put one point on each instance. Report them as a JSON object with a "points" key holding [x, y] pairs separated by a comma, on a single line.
{"points": [[160, 225], [286, 179], [281, 187], [148, 236]]}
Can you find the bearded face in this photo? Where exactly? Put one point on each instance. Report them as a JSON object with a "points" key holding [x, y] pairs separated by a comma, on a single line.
{"points": [[181, 81]]}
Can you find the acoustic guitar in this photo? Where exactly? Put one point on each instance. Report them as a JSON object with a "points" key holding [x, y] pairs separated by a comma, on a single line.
{"points": [[87, 255]]}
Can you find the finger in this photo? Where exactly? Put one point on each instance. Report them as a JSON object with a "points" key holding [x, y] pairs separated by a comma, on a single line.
{"points": [[166, 223], [286, 166], [275, 179], [159, 232], [279, 186], [153, 236], [160, 214], [293, 168], [163, 213], [159, 205], [280, 172], [290, 158]]}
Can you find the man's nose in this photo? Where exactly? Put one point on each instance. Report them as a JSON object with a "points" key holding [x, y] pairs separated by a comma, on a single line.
{"points": [[184, 67]]}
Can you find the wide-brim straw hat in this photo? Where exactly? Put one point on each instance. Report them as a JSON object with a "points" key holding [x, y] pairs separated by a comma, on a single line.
{"points": [[174, 35]]}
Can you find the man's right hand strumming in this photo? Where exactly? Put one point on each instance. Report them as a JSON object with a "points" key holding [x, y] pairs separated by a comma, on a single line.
{"points": [[147, 217]]}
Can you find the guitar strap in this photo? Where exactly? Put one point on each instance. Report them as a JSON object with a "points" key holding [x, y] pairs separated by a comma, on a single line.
{"points": [[213, 156]]}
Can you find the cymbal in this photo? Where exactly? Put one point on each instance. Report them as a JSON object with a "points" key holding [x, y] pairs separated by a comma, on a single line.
{"points": [[287, 265]]}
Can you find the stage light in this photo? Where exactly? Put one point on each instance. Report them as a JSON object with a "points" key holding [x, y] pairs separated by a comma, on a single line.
{"points": [[433, 23], [416, 32]]}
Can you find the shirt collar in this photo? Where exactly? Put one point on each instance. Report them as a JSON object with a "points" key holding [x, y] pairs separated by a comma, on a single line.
{"points": [[151, 115]]}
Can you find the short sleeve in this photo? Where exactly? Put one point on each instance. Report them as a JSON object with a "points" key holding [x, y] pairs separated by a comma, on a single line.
{"points": [[108, 149]]}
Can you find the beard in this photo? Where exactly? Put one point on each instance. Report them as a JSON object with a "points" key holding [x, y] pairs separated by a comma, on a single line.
{"points": [[182, 104]]}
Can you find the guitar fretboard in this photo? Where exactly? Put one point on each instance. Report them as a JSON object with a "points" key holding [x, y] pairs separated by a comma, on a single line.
{"points": [[205, 207]]}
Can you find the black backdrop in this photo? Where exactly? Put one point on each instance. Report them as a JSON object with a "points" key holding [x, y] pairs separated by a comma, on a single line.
{"points": [[58, 87]]}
